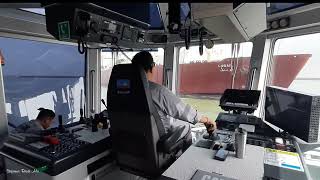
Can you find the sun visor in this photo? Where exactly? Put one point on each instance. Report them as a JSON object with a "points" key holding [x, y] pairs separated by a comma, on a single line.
{"points": [[231, 22]]}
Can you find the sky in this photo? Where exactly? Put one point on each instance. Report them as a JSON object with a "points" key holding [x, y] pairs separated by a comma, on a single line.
{"points": [[217, 53], [306, 44], [35, 10]]}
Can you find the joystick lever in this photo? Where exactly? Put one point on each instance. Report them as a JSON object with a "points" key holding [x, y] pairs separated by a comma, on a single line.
{"points": [[61, 128], [81, 116], [104, 103], [95, 122]]}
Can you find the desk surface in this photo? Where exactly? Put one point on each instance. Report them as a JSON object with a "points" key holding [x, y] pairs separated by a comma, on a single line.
{"points": [[249, 168], [310, 155]]}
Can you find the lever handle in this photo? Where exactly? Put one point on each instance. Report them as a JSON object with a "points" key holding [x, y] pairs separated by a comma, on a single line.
{"points": [[60, 120]]}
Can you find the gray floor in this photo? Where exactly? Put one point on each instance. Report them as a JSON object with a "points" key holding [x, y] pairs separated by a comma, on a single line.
{"points": [[116, 173]]}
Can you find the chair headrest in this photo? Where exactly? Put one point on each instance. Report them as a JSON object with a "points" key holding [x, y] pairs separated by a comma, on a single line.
{"points": [[128, 89]]}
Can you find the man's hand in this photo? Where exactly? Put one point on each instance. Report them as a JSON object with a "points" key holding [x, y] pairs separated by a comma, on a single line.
{"points": [[210, 125]]}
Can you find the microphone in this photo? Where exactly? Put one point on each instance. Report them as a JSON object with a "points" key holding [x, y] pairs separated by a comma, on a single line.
{"points": [[81, 112], [81, 116], [60, 120], [104, 103], [95, 122]]}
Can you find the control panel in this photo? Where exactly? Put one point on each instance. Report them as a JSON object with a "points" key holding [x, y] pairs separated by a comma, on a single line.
{"points": [[88, 24], [232, 121], [63, 149], [266, 140], [104, 30], [67, 145]]}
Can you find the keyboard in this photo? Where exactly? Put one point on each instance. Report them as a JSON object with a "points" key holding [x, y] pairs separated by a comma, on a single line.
{"points": [[68, 144]]}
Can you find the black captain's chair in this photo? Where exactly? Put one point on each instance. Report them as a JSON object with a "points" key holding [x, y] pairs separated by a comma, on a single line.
{"points": [[138, 137]]}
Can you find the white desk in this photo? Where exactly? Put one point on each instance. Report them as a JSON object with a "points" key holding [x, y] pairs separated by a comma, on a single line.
{"points": [[249, 168]]}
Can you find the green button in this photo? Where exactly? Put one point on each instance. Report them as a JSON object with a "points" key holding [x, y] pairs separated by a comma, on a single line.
{"points": [[64, 30], [42, 169]]}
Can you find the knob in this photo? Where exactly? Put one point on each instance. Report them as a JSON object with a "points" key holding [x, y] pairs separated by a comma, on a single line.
{"points": [[94, 27], [82, 23], [106, 39], [114, 40]]}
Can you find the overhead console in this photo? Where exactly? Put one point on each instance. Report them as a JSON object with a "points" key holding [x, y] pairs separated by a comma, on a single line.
{"points": [[231, 22], [88, 22]]}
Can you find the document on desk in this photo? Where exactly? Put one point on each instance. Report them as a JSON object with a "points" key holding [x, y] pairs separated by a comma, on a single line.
{"points": [[283, 159], [92, 137], [203, 175]]}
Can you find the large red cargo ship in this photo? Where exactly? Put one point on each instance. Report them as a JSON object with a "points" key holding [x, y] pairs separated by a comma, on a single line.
{"points": [[213, 78]]}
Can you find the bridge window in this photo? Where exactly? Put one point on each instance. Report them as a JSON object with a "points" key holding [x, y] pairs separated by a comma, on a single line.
{"points": [[203, 79], [296, 63], [40, 74], [110, 58]]}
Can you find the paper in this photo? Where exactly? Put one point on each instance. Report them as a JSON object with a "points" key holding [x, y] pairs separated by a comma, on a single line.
{"points": [[284, 159], [92, 137], [39, 145]]}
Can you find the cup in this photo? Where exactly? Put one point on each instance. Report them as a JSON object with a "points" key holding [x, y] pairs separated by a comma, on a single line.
{"points": [[240, 143]]}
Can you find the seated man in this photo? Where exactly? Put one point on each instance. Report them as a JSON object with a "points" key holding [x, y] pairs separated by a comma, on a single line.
{"points": [[42, 122], [169, 106]]}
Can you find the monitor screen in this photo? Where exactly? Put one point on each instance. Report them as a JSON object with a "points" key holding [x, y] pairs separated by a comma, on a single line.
{"points": [[288, 110], [184, 11], [137, 11]]}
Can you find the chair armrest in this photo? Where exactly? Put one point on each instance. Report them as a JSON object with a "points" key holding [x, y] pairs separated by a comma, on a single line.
{"points": [[171, 141]]}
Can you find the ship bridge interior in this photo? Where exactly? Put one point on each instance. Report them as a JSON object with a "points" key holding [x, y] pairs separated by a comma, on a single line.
{"points": [[73, 59]]}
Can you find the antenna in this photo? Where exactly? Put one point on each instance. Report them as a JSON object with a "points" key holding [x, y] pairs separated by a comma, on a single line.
{"points": [[104, 103]]}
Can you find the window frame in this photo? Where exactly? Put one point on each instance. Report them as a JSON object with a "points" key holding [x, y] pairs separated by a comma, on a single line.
{"points": [[177, 70], [219, 42], [20, 36], [283, 35], [270, 60]]}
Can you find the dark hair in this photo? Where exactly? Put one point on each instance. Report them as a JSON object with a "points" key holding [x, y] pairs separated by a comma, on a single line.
{"points": [[45, 113], [144, 59]]}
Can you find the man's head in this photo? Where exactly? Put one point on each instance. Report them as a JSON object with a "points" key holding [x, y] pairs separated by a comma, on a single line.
{"points": [[45, 117], [145, 60]]}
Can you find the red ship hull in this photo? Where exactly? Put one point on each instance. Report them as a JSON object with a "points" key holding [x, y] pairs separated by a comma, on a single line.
{"points": [[215, 77]]}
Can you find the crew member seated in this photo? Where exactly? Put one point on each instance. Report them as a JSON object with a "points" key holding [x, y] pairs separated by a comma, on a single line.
{"points": [[170, 107], [42, 122]]}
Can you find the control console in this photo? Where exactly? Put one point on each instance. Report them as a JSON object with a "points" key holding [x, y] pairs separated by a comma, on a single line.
{"points": [[267, 140], [61, 150], [68, 144], [232, 121], [88, 22]]}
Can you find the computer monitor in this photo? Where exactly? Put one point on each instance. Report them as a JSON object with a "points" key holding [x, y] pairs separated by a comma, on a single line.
{"points": [[294, 112], [240, 100]]}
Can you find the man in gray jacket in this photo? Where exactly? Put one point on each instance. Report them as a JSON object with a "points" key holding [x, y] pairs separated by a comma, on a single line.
{"points": [[171, 109], [42, 122]]}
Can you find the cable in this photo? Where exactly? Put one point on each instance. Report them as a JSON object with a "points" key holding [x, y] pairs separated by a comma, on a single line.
{"points": [[81, 46], [201, 42], [85, 80], [187, 34], [165, 18], [123, 52], [237, 49]]}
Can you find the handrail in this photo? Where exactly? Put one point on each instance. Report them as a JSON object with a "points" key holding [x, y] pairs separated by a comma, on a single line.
{"points": [[92, 91]]}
